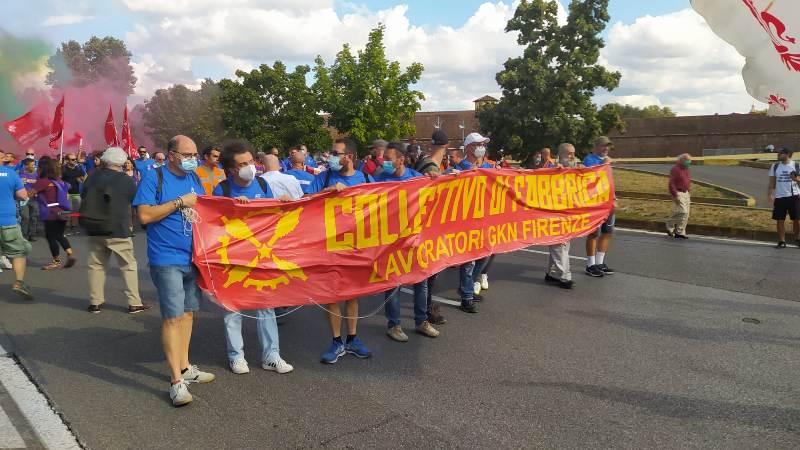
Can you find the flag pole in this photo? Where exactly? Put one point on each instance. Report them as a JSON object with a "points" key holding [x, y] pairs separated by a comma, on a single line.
{"points": [[61, 149]]}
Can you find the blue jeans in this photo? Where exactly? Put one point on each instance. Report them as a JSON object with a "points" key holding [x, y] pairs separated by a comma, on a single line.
{"points": [[267, 329], [177, 289], [466, 281], [392, 308]]}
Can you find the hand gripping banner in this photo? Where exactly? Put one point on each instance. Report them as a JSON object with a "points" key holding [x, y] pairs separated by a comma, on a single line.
{"points": [[374, 237]]}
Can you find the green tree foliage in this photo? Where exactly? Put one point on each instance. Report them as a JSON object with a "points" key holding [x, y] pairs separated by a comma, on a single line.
{"points": [[272, 107], [634, 112], [106, 59], [547, 92], [367, 96], [180, 110]]}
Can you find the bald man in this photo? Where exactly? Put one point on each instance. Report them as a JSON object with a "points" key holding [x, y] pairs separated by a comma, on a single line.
{"points": [[280, 183], [161, 198]]}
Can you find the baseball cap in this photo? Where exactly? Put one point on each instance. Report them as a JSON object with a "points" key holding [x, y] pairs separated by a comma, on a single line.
{"points": [[784, 150], [378, 143], [473, 138], [439, 138], [602, 140]]}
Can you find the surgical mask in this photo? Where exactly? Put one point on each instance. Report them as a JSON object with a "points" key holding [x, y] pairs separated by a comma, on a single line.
{"points": [[570, 163], [537, 160], [480, 152], [687, 163], [388, 166], [334, 162], [189, 165], [248, 172]]}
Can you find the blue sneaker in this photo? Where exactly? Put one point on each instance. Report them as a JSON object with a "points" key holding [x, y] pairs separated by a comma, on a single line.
{"points": [[357, 348], [333, 353]]}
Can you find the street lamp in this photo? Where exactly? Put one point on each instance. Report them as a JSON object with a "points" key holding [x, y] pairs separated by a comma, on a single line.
{"points": [[462, 126]]}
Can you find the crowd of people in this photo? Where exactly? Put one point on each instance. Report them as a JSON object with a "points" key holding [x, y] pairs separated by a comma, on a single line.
{"points": [[113, 191]]}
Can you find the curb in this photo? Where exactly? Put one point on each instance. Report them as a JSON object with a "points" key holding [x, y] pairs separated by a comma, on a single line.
{"points": [[700, 200], [704, 230], [744, 200], [756, 164]]}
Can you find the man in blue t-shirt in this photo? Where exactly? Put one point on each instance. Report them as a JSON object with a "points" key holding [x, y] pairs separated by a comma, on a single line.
{"points": [[341, 174], [12, 243], [599, 241], [298, 170], [394, 168], [144, 164], [242, 184], [162, 200]]}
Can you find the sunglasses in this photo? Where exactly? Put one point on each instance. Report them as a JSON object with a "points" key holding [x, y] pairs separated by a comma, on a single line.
{"points": [[71, 159], [30, 154]]}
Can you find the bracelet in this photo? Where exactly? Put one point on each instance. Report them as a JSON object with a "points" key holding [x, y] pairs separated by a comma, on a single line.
{"points": [[177, 204]]}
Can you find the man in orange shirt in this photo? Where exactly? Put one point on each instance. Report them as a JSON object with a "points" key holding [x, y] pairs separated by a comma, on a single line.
{"points": [[210, 173]]}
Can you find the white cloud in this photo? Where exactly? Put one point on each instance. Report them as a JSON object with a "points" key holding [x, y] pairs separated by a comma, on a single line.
{"points": [[68, 19]]}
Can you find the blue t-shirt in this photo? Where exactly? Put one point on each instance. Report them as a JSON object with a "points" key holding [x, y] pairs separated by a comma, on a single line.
{"points": [[143, 165], [29, 179], [593, 160], [306, 179], [253, 191], [336, 177], [10, 183], [463, 165], [169, 241], [408, 173]]}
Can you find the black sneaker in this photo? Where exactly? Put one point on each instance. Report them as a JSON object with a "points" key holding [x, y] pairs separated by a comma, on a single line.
{"points": [[435, 317], [781, 244], [138, 309], [681, 236], [95, 309], [569, 284], [468, 306], [594, 271], [22, 290], [606, 270], [477, 298]]}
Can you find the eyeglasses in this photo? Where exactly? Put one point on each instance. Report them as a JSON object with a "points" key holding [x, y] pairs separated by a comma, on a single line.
{"points": [[71, 159], [185, 156], [30, 154]]}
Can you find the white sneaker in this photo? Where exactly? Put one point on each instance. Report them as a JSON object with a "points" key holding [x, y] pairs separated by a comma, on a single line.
{"points": [[5, 263], [239, 366], [484, 282], [476, 288], [195, 375], [277, 365], [179, 394]]}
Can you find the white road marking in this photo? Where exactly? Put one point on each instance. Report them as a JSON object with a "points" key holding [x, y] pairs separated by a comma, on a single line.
{"points": [[9, 436], [542, 252], [699, 237], [438, 299], [46, 423]]}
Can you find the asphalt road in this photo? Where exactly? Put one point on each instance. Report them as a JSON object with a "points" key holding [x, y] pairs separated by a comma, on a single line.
{"points": [[656, 356], [749, 180]]}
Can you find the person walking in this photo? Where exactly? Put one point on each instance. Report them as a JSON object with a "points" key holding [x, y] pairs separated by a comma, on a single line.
{"points": [[49, 189], [558, 265], [680, 181], [106, 216], [29, 208], [598, 242], [784, 192], [12, 243], [74, 175]]}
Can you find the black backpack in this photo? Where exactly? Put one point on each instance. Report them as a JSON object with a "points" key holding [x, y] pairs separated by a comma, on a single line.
{"points": [[421, 168], [226, 186], [95, 211]]}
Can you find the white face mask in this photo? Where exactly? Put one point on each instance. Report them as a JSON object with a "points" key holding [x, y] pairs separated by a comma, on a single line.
{"points": [[480, 152], [248, 172]]}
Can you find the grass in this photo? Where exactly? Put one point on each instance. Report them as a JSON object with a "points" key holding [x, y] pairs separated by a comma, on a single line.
{"points": [[720, 216], [630, 181]]}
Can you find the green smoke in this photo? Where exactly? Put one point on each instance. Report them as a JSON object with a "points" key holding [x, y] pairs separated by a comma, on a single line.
{"points": [[18, 57]]}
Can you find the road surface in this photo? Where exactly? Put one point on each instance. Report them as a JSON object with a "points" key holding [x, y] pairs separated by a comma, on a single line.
{"points": [[656, 356]]}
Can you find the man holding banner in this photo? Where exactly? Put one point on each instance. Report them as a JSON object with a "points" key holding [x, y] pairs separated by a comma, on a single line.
{"points": [[597, 243], [558, 265]]}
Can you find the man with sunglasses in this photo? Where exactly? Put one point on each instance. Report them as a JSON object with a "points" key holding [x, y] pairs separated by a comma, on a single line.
{"points": [[599, 241], [73, 174], [342, 174], [144, 163], [159, 159], [29, 155], [160, 200]]}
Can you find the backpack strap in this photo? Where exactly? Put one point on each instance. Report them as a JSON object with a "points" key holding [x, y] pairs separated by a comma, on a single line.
{"points": [[159, 184], [261, 182], [327, 178], [775, 168], [226, 187], [366, 177]]}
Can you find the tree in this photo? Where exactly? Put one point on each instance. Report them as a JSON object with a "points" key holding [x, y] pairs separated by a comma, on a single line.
{"points": [[180, 110], [271, 107], [634, 112], [367, 96], [547, 92], [98, 59]]}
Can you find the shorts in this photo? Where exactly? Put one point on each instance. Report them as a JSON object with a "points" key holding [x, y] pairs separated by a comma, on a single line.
{"points": [[13, 244], [785, 205], [177, 289], [75, 202], [606, 228]]}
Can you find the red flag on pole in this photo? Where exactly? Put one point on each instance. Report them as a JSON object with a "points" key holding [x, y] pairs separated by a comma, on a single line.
{"points": [[57, 129], [111, 130], [127, 138], [30, 127]]}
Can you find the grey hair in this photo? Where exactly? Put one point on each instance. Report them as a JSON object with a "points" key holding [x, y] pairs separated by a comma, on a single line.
{"points": [[114, 156], [562, 148], [683, 156]]}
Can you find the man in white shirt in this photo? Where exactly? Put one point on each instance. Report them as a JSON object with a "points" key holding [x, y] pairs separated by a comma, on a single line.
{"points": [[280, 183], [785, 192]]}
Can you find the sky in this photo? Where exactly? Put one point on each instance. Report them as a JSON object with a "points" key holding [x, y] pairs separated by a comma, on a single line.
{"points": [[666, 53]]}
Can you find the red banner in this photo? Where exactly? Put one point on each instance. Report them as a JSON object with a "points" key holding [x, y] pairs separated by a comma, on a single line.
{"points": [[30, 127], [110, 130], [377, 236], [127, 139], [57, 128]]}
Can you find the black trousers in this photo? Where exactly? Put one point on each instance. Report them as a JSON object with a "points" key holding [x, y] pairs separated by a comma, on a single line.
{"points": [[54, 232]]}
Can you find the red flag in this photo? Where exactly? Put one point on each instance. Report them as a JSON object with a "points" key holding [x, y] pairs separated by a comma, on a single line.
{"points": [[75, 140], [127, 139], [30, 127], [111, 130], [57, 129]]}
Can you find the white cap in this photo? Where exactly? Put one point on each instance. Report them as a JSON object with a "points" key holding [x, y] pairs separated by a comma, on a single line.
{"points": [[114, 156], [473, 138]]}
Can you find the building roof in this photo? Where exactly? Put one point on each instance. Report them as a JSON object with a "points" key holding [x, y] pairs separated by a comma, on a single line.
{"points": [[486, 98]]}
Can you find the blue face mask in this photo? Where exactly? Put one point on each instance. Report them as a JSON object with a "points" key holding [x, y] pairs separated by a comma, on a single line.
{"points": [[334, 163], [388, 167], [189, 165]]}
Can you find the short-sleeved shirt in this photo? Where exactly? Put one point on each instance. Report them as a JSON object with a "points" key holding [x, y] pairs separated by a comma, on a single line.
{"points": [[10, 183], [784, 186], [593, 160], [143, 166], [336, 177], [252, 191], [169, 241], [305, 179], [407, 174], [70, 176], [29, 179], [283, 184]]}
